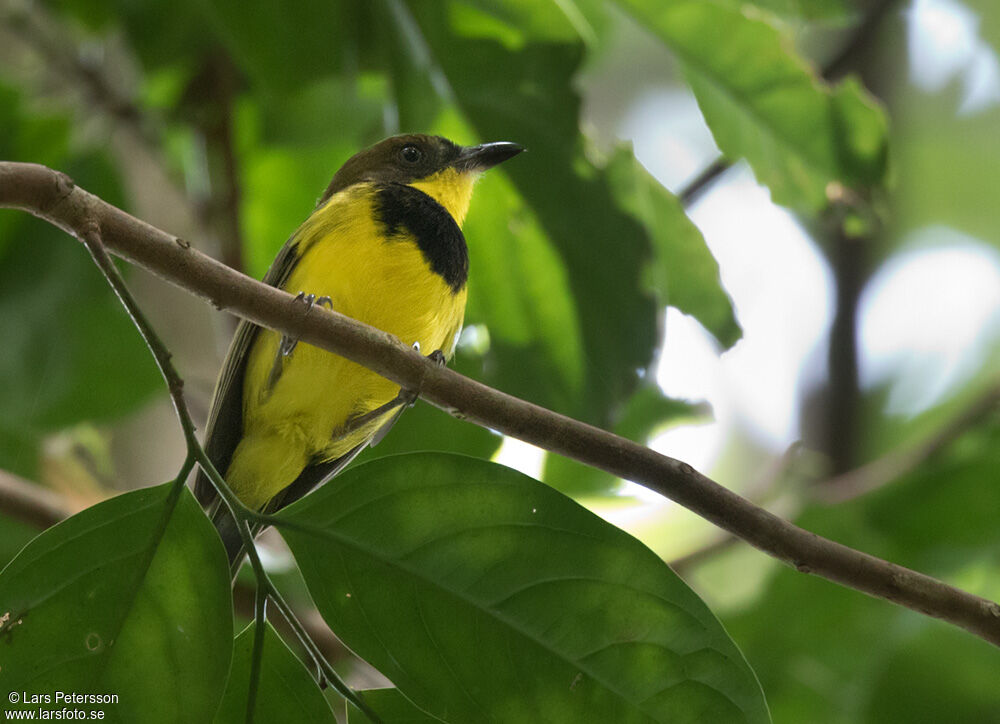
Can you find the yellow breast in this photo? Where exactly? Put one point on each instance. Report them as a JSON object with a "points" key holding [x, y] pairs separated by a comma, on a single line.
{"points": [[384, 283]]}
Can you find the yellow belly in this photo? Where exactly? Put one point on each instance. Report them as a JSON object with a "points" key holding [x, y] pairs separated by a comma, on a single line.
{"points": [[384, 283]]}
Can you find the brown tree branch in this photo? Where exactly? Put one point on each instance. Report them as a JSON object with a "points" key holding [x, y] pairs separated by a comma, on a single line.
{"points": [[52, 196], [30, 503], [873, 475]]}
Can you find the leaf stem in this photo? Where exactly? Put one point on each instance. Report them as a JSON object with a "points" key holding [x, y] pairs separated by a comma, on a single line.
{"points": [[259, 630]]}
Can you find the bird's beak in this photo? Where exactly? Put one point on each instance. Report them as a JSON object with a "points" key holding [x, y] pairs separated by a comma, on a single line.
{"points": [[486, 155]]}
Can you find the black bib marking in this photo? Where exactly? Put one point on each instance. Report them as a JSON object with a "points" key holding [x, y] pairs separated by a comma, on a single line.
{"points": [[399, 206]]}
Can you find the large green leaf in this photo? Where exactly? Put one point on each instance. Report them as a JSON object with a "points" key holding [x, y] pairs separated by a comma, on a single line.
{"points": [[945, 170], [685, 273], [391, 706], [286, 691], [519, 288], [763, 103], [14, 535], [283, 46], [941, 675], [129, 597], [525, 94], [821, 10], [487, 596]]}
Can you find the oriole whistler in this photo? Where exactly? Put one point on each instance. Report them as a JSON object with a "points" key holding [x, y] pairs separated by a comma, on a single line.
{"points": [[384, 246]]}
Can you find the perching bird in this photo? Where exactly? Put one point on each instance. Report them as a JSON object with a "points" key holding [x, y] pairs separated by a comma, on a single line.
{"points": [[384, 246]]}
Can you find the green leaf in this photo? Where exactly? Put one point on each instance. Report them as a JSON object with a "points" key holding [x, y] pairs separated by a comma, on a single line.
{"points": [[391, 706], [515, 22], [942, 675], [763, 103], [685, 273], [286, 692], [525, 94], [282, 46], [130, 597], [944, 167], [14, 535], [831, 11], [940, 528], [536, 342], [485, 595]]}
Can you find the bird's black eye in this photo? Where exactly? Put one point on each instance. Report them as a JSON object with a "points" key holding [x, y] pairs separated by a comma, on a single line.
{"points": [[411, 154]]}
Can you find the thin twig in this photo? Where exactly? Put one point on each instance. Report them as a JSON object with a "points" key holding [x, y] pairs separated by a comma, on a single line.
{"points": [[873, 475], [53, 197], [257, 655], [33, 504], [701, 183], [243, 515], [718, 544], [244, 601], [898, 462]]}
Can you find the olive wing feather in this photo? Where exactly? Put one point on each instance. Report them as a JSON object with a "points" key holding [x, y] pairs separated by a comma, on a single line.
{"points": [[225, 419]]}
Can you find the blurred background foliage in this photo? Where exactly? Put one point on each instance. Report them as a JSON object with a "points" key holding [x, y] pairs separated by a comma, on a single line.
{"points": [[816, 326]]}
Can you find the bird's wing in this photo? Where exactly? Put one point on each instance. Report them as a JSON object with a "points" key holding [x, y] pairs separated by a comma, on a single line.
{"points": [[225, 420], [312, 476]]}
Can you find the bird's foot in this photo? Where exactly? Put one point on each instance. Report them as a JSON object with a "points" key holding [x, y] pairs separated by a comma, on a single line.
{"points": [[435, 356], [287, 344], [409, 397], [403, 399]]}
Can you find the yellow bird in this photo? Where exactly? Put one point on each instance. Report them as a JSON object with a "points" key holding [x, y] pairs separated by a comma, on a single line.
{"points": [[384, 246]]}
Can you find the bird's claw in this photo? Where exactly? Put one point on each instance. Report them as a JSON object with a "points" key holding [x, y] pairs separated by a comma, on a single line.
{"points": [[287, 345], [409, 397], [435, 356], [311, 299], [403, 399]]}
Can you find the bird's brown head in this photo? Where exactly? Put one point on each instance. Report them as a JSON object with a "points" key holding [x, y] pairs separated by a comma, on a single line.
{"points": [[435, 165]]}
